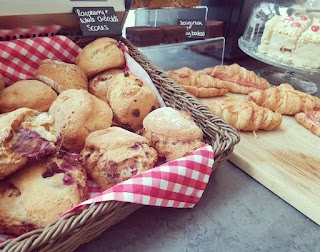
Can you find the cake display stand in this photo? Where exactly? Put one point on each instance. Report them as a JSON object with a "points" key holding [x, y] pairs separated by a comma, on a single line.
{"points": [[286, 71]]}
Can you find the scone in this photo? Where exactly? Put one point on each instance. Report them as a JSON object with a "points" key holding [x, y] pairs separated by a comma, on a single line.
{"points": [[130, 100], [113, 155], [2, 83], [25, 134], [31, 94], [99, 84], [61, 76], [37, 195], [172, 133], [100, 55], [78, 113]]}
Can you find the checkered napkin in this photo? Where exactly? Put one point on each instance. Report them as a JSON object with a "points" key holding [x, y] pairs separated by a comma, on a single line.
{"points": [[20, 58], [33, 31], [179, 183]]}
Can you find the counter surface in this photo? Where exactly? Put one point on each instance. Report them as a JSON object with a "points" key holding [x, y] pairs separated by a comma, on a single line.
{"points": [[236, 213]]}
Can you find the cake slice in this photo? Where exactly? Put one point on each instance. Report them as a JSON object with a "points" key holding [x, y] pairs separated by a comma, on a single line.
{"points": [[285, 36], [307, 52], [267, 33]]}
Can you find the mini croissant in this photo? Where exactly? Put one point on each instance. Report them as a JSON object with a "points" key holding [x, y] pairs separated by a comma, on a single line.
{"points": [[283, 99], [310, 120], [237, 79], [245, 115], [198, 84]]}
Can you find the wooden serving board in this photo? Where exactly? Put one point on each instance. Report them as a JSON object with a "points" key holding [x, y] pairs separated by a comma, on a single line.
{"points": [[286, 161]]}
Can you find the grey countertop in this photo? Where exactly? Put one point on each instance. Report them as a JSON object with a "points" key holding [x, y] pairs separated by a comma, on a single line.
{"points": [[236, 213]]}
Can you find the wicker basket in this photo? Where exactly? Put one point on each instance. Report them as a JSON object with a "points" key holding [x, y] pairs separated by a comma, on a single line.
{"points": [[77, 228]]}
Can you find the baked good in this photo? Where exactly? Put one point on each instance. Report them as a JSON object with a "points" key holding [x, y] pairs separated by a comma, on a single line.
{"points": [[310, 119], [31, 94], [77, 113], [144, 35], [130, 100], [214, 28], [283, 99], [307, 51], [114, 154], [198, 84], [2, 83], [201, 92], [245, 115], [316, 102], [61, 76], [285, 36], [25, 134], [155, 4], [99, 84], [172, 133], [173, 34], [100, 55], [37, 195], [237, 79]]}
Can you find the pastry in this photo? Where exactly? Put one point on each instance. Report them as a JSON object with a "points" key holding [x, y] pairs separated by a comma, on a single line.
{"points": [[98, 85], [317, 103], [130, 100], [188, 77], [113, 155], [309, 119], [25, 134], [37, 195], [31, 94], [100, 55], [172, 133], [245, 115], [237, 79], [307, 51], [77, 113], [2, 83], [283, 99], [198, 84], [205, 92], [61, 76]]}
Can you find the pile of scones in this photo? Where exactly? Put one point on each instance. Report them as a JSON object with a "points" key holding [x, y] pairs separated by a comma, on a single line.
{"points": [[91, 120]]}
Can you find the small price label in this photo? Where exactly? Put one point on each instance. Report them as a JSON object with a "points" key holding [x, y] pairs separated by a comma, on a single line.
{"points": [[97, 21], [195, 28]]}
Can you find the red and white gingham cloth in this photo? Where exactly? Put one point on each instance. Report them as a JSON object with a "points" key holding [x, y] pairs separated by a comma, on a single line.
{"points": [[20, 58], [31, 31], [179, 183]]}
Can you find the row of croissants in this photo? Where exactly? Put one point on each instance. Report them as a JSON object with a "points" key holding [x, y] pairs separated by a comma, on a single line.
{"points": [[261, 105]]}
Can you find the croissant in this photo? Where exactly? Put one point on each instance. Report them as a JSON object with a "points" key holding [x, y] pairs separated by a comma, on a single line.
{"points": [[317, 103], [245, 115], [237, 79], [283, 99], [198, 84], [310, 120]]}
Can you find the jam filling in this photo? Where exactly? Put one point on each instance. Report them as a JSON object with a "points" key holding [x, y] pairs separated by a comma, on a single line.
{"points": [[31, 145]]}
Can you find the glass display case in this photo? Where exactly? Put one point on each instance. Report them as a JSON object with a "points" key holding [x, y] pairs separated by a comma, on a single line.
{"points": [[286, 36]]}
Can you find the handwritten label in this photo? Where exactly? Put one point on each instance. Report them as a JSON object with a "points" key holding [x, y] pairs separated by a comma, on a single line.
{"points": [[195, 28], [97, 21]]}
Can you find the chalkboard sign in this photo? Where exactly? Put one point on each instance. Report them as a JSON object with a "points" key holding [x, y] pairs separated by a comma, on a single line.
{"points": [[98, 21], [195, 28]]}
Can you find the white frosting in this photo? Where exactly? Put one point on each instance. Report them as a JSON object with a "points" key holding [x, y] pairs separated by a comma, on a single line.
{"points": [[295, 38], [307, 55]]}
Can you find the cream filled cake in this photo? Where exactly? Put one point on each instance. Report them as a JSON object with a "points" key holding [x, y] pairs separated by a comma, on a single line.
{"points": [[307, 52], [292, 39], [285, 36]]}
